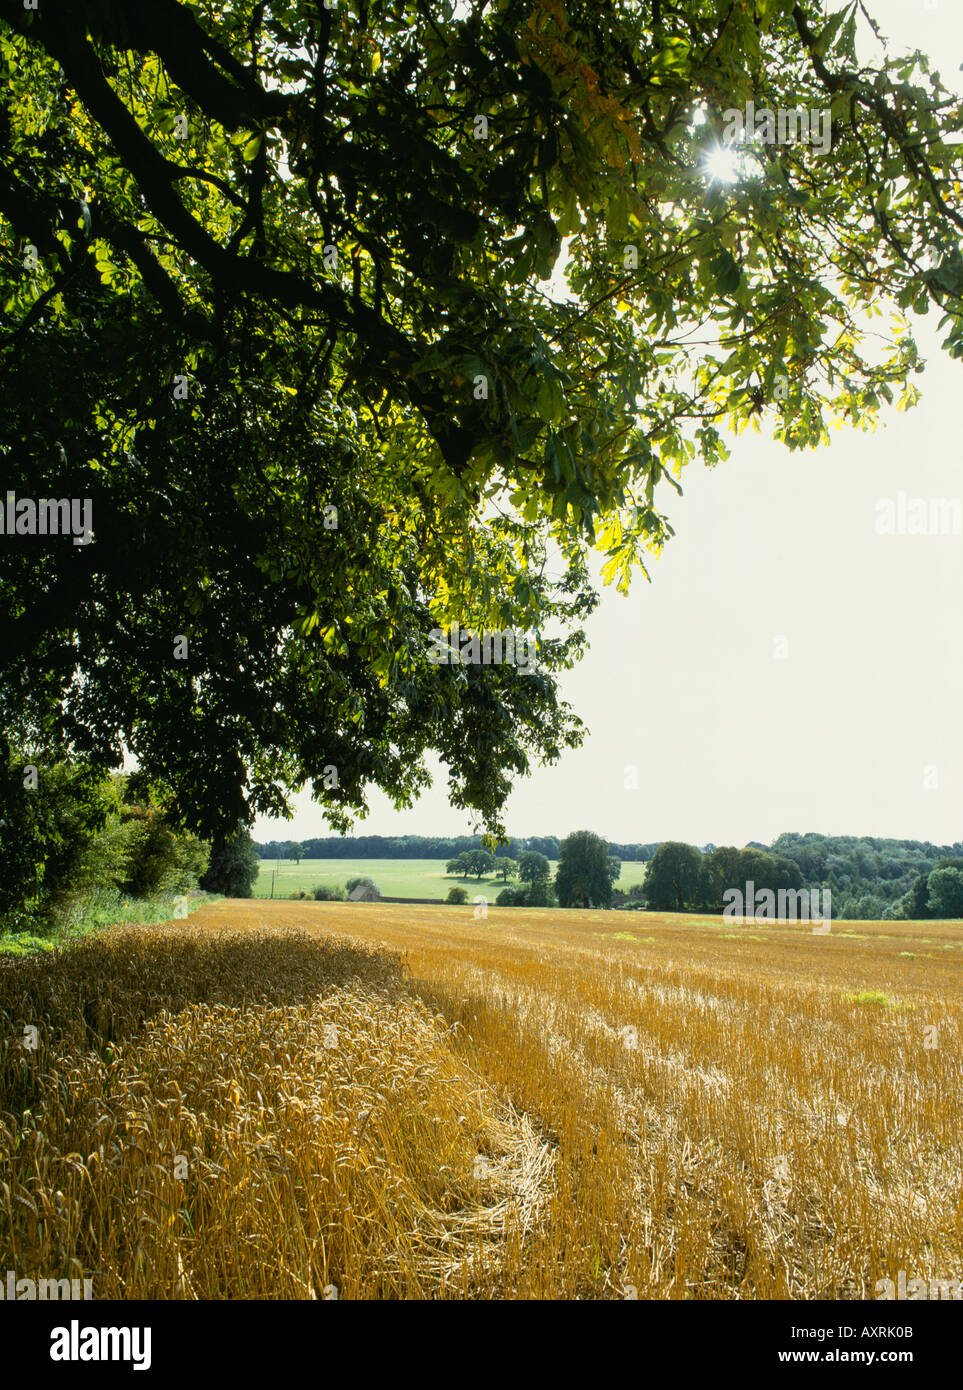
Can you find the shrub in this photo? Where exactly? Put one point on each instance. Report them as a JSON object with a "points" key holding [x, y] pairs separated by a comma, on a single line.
{"points": [[84, 842], [457, 895], [158, 859], [328, 893], [539, 893], [46, 832]]}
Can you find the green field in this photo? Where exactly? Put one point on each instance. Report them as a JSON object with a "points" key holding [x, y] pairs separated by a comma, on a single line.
{"points": [[397, 878]]}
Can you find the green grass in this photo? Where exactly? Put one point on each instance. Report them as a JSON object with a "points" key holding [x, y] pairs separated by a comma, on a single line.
{"points": [[23, 944], [396, 878], [107, 910], [135, 911]]}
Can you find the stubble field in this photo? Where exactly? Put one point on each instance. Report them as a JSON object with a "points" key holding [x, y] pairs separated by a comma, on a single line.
{"points": [[310, 1100]]}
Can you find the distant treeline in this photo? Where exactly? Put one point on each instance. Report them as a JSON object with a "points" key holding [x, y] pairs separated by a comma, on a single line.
{"points": [[429, 847], [875, 878], [869, 878]]}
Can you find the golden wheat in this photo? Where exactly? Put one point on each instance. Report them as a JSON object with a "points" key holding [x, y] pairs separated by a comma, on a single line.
{"points": [[369, 1100]]}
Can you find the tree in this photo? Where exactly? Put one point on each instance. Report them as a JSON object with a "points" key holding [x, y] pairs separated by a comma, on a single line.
{"points": [[720, 870], [728, 867], [473, 861], [532, 865], [52, 814], [946, 893], [586, 871], [917, 903], [540, 892], [674, 878], [295, 851], [77, 833], [865, 908], [156, 859], [457, 895], [275, 291], [505, 868], [917, 900], [234, 866], [478, 862], [767, 870]]}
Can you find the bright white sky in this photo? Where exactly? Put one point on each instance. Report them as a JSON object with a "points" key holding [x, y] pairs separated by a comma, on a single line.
{"points": [[845, 735]]}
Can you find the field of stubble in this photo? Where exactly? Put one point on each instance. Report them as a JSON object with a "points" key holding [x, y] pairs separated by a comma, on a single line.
{"points": [[310, 1100]]}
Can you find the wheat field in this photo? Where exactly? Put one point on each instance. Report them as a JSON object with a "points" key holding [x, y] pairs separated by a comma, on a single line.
{"points": [[317, 1100]]}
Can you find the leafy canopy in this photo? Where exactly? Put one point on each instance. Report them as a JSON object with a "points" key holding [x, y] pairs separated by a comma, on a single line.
{"points": [[277, 289]]}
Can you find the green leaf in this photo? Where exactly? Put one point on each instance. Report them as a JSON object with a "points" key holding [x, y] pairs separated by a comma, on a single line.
{"points": [[549, 400], [727, 273]]}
